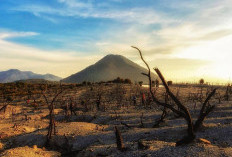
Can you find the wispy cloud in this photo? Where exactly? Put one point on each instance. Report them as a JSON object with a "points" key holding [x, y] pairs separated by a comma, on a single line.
{"points": [[5, 35], [175, 32], [215, 35], [28, 58], [77, 4], [48, 18], [76, 9]]}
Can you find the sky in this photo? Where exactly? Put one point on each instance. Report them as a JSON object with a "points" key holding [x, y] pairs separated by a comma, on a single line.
{"points": [[186, 40]]}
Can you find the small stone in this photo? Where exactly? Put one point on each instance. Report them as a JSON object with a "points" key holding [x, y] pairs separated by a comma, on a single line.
{"points": [[202, 140], [35, 147]]}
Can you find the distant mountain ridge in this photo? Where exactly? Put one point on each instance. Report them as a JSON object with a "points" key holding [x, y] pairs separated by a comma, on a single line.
{"points": [[13, 75], [109, 68], [37, 81]]}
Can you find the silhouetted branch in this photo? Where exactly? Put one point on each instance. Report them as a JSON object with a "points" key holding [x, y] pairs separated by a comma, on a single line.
{"points": [[183, 112], [150, 88]]}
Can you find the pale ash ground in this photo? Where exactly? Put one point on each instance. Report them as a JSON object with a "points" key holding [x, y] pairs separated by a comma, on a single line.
{"points": [[92, 133]]}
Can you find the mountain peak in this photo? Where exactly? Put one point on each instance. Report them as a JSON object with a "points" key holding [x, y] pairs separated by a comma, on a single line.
{"points": [[112, 56], [12, 75], [108, 68], [114, 59]]}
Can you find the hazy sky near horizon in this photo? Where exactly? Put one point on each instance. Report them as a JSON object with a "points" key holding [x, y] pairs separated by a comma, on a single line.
{"points": [[187, 40]]}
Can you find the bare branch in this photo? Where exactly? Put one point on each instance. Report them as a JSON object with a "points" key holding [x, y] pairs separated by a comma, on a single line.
{"points": [[184, 112], [205, 110], [150, 85], [206, 101], [145, 74]]}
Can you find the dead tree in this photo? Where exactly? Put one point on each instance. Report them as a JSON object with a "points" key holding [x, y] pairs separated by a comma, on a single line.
{"points": [[72, 107], [51, 127], [119, 95], [98, 101], [219, 97], [66, 107], [31, 95], [119, 140], [182, 111], [227, 93], [141, 121]]}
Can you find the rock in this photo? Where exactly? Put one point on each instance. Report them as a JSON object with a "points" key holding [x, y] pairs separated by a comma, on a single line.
{"points": [[35, 147], [28, 129], [1, 146], [142, 145], [202, 140]]}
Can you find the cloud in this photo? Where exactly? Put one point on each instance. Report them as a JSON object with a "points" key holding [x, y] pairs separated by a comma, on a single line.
{"points": [[216, 34], [77, 9], [76, 4], [173, 34], [164, 42], [37, 10], [5, 35], [48, 18], [28, 58]]}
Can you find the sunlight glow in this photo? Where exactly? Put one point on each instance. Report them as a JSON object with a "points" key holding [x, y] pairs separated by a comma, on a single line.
{"points": [[218, 52]]}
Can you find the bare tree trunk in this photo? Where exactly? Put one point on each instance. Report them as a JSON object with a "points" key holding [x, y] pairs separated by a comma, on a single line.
{"points": [[119, 140], [51, 127], [182, 111]]}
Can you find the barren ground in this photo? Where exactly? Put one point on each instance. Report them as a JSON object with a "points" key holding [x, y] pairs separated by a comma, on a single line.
{"points": [[91, 133]]}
